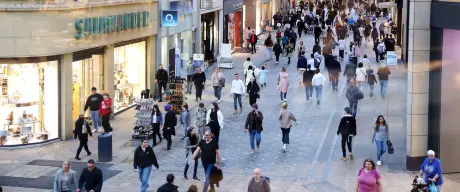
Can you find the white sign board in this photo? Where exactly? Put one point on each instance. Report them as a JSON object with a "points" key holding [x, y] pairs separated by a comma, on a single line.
{"points": [[198, 57], [392, 58]]}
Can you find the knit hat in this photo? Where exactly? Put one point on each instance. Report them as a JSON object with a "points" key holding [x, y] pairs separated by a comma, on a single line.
{"points": [[255, 106], [348, 110], [167, 107]]}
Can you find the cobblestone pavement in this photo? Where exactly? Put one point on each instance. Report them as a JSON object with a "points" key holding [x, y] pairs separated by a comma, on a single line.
{"points": [[311, 164]]}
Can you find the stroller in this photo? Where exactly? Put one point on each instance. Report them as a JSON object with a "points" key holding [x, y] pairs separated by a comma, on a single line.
{"points": [[419, 185]]}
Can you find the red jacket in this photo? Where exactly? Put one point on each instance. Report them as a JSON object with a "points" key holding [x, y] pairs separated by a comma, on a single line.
{"points": [[105, 107]]}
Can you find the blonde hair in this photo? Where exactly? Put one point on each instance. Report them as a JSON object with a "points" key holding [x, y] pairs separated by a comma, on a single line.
{"points": [[284, 105], [69, 165]]}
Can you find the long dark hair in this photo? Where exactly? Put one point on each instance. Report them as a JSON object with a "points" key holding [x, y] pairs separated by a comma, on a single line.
{"points": [[216, 107], [370, 161], [191, 138], [377, 123], [156, 109]]}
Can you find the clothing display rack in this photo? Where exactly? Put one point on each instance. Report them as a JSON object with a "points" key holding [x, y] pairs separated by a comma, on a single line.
{"points": [[176, 97], [142, 124]]}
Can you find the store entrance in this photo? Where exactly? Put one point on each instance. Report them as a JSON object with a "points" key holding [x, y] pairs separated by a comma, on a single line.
{"points": [[207, 35]]}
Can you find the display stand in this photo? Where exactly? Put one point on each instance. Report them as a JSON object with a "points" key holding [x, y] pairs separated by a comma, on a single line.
{"points": [[225, 59], [176, 97], [142, 124]]}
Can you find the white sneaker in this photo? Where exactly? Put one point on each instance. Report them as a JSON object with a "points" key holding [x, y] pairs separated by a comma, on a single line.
{"points": [[94, 130], [379, 163], [218, 101]]}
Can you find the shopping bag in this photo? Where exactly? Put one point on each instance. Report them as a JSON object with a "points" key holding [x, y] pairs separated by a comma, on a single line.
{"points": [[390, 147], [432, 187]]}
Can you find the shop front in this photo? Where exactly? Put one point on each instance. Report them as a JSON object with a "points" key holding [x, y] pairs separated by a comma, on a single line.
{"points": [[267, 14], [233, 28], [211, 28]]}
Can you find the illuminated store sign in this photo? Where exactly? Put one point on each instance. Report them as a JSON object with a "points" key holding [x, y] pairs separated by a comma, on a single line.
{"points": [[110, 24]]}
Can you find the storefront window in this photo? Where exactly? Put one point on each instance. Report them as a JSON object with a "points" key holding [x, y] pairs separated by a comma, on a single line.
{"points": [[130, 74], [28, 103]]}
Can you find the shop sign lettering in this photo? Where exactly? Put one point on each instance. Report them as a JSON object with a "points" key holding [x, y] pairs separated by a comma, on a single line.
{"points": [[238, 6], [110, 24]]}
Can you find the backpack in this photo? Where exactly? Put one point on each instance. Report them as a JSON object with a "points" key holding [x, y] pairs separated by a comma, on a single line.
{"points": [[278, 35], [358, 94], [222, 82], [380, 49], [84, 130]]}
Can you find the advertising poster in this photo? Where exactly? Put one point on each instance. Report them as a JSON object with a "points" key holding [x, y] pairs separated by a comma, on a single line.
{"points": [[23, 84], [178, 62], [198, 61], [231, 29], [392, 59]]}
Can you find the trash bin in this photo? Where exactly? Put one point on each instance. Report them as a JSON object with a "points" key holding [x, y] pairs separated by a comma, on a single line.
{"points": [[104, 147]]}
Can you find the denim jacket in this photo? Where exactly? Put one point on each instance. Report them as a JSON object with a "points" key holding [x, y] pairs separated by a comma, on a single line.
{"points": [[185, 118], [159, 118]]}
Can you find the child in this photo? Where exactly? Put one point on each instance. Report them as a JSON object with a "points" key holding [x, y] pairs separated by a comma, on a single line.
{"points": [[263, 75], [185, 119], [371, 80]]}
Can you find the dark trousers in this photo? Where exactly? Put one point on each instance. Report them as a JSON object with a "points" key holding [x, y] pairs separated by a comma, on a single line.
{"points": [[167, 136], [341, 53], [253, 47], [160, 86], [252, 99], [156, 132], [299, 31], [105, 123], [382, 56], [335, 80], [316, 39], [354, 108], [277, 56], [346, 139], [195, 166], [377, 56], [285, 137], [198, 90], [189, 83], [289, 60], [83, 144]]}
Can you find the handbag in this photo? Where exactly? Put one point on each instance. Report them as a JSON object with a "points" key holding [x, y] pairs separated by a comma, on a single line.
{"points": [[390, 147], [432, 187]]}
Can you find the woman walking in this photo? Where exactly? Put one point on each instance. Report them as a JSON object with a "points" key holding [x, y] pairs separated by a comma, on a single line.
{"points": [[249, 73], [318, 83], [253, 91], [218, 80], [65, 179], [200, 119], [185, 119], [301, 49], [215, 121], [369, 179], [285, 118], [269, 45], [105, 109], [433, 170], [278, 50], [289, 50], [347, 129], [361, 76], [307, 80], [191, 143], [82, 130], [283, 84], [254, 126], [157, 124], [381, 136], [144, 158], [199, 79]]}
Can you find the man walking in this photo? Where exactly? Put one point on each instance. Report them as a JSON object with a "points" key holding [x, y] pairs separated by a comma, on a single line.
{"points": [[350, 72], [383, 74], [82, 130], [237, 92], [209, 151], [161, 78], [253, 39], [91, 178], [93, 102], [189, 70], [334, 71], [259, 183], [170, 123], [301, 66], [254, 126], [169, 185], [354, 95]]}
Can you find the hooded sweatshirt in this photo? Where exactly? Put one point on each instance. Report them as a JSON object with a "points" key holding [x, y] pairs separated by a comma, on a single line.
{"points": [[105, 107]]}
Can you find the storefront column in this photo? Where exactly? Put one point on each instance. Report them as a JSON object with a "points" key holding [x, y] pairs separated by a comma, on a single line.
{"points": [[249, 15], [418, 83], [66, 96], [151, 67], [109, 71]]}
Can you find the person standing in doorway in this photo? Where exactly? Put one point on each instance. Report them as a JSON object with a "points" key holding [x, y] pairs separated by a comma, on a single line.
{"points": [[209, 153], [254, 126], [199, 79], [318, 83], [218, 81], [253, 91], [383, 74], [144, 158], [253, 39], [82, 130], [105, 109], [93, 102], [285, 118], [91, 177], [307, 78], [161, 78], [170, 123], [157, 124], [283, 84], [191, 143], [381, 136], [237, 92], [347, 129]]}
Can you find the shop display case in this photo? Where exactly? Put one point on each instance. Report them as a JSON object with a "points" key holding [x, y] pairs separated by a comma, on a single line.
{"points": [[123, 98], [142, 126], [176, 93]]}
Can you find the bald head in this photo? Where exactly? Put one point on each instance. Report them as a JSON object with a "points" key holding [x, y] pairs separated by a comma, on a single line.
{"points": [[257, 173]]}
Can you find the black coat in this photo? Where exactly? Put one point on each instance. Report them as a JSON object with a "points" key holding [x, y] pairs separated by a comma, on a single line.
{"points": [[143, 159], [78, 130], [250, 121], [168, 187], [199, 78], [161, 76], [277, 49], [334, 67], [170, 123], [253, 88], [347, 125]]}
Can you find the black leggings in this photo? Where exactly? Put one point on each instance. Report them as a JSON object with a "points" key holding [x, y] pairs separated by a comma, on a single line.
{"points": [[156, 132], [199, 90], [346, 139], [83, 144], [277, 56], [105, 123]]}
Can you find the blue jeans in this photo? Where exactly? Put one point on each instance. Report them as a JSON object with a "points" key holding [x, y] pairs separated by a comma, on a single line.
{"points": [[381, 148], [318, 90], [354, 108], [235, 98], [308, 91], [95, 118], [257, 136], [383, 87], [217, 91], [207, 172], [371, 86], [144, 174]]}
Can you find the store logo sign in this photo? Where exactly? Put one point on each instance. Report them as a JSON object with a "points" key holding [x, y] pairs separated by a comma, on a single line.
{"points": [[238, 6], [169, 18], [111, 24]]}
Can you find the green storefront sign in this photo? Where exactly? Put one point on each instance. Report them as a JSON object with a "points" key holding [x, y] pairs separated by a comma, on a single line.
{"points": [[110, 24]]}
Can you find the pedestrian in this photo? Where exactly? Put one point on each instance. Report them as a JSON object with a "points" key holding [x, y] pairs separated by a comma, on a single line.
{"points": [[248, 37], [432, 169], [350, 72], [93, 103], [285, 41], [157, 124], [105, 109], [144, 158], [169, 185], [65, 179], [91, 177], [278, 50], [189, 70], [301, 66], [283, 84], [383, 74], [199, 79], [249, 73], [285, 118], [354, 95], [293, 38], [361, 76], [342, 48], [191, 143], [366, 62], [377, 56], [307, 80], [246, 65], [253, 39], [200, 119], [161, 78], [369, 179], [301, 49], [218, 81], [268, 45], [253, 91], [318, 81], [169, 125], [381, 50], [347, 129], [215, 121], [237, 92], [82, 130], [289, 50], [192, 188], [381, 136], [209, 153], [185, 119], [258, 183], [334, 72], [371, 80], [317, 33], [375, 34], [254, 126], [313, 62], [263, 76]]}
